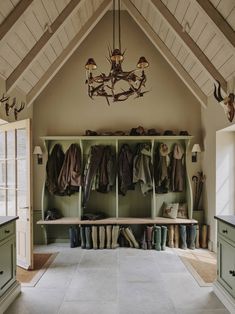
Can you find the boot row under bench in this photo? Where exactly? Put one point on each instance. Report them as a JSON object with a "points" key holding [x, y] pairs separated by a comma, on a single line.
{"points": [[151, 237]]}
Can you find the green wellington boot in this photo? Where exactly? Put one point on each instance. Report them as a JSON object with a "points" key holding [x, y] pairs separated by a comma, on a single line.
{"points": [[149, 237], [132, 237], [143, 240], [163, 237], [108, 236], [94, 235], [124, 233], [101, 237], [88, 237], [192, 236], [171, 236], [83, 237], [183, 237], [157, 238], [115, 234]]}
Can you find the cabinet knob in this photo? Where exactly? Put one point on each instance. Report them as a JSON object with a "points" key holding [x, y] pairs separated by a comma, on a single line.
{"points": [[7, 231], [225, 231], [1, 272], [232, 272]]}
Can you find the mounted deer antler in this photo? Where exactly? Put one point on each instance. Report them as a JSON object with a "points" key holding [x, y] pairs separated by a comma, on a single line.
{"points": [[4, 98], [228, 103], [9, 107], [16, 110]]}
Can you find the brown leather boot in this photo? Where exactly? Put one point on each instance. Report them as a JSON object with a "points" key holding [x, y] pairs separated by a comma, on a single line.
{"points": [[197, 237], [204, 236], [101, 237], [176, 238]]}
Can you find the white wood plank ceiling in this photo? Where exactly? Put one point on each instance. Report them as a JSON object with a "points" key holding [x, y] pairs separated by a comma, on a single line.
{"points": [[38, 36]]}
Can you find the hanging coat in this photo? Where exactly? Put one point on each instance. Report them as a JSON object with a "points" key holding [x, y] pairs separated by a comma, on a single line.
{"points": [[161, 172], [70, 176], [53, 168], [142, 168], [177, 169], [125, 169]]}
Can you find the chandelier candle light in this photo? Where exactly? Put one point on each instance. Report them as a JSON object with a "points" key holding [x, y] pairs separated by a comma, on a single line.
{"points": [[111, 86]]}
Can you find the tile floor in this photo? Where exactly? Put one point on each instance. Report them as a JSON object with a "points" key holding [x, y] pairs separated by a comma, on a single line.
{"points": [[125, 281]]}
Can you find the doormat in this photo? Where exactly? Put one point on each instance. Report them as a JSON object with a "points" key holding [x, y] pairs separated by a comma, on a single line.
{"points": [[29, 278], [201, 264]]}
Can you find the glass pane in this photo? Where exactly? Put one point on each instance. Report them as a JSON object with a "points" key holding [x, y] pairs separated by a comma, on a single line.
{"points": [[21, 137], [11, 175], [11, 144], [11, 202], [2, 173], [22, 174], [21, 199], [2, 145], [3, 203]]}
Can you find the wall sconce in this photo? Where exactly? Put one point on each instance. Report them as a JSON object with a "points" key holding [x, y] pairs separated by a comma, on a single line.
{"points": [[38, 151], [196, 149]]}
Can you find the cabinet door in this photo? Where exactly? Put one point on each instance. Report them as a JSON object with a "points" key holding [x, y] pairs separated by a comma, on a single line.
{"points": [[7, 265], [226, 266]]}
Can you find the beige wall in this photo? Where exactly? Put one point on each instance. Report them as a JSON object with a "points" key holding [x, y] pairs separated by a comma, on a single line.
{"points": [[65, 109], [213, 120]]}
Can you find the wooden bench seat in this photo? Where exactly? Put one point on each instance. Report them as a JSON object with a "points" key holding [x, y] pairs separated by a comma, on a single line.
{"points": [[118, 221]]}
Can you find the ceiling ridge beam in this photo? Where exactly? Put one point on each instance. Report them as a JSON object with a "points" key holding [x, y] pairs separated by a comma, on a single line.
{"points": [[68, 51], [40, 44], [165, 52], [190, 43], [221, 24], [13, 17]]}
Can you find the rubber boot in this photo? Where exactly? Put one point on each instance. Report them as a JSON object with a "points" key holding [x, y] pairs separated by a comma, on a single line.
{"points": [[88, 237], [183, 236], [149, 235], [101, 237], [204, 236], [72, 237], [94, 235], [163, 237], [83, 237], [143, 240], [124, 233], [192, 236], [157, 238], [76, 236], [132, 237], [108, 236], [176, 237], [115, 234], [197, 237], [171, 236]]}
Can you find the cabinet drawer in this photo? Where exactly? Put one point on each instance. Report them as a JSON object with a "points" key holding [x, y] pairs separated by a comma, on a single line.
{"points": [[7, 266], [7, 230], [227, 231]]}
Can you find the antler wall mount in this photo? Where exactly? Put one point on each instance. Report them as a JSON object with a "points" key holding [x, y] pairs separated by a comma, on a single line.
{"points": [[12, 106], [228, 103]]}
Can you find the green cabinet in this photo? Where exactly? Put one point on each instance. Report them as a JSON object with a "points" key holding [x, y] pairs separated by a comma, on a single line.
{"points": [[9, 287], [224, 286]]}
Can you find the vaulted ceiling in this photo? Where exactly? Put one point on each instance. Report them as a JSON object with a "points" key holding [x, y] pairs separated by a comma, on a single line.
{"points": [[196, 37]]}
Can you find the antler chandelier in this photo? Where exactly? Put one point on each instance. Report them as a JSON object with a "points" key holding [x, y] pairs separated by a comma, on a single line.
{"points": [[118, 85]]}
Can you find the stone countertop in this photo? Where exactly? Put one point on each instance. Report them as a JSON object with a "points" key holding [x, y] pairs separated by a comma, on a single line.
{"points": [[6, 219], [229, 219]]}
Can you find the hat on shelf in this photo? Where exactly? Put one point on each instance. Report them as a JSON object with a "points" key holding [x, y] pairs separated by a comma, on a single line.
{"points": [[153, 132], [169, 133], [184, 133]]}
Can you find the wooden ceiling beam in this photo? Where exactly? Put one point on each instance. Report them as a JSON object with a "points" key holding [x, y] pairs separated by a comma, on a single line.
{"points": [[69, 50], [165, 52], [40, 44], [190, 43], [14, 15], [222, 25]]}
